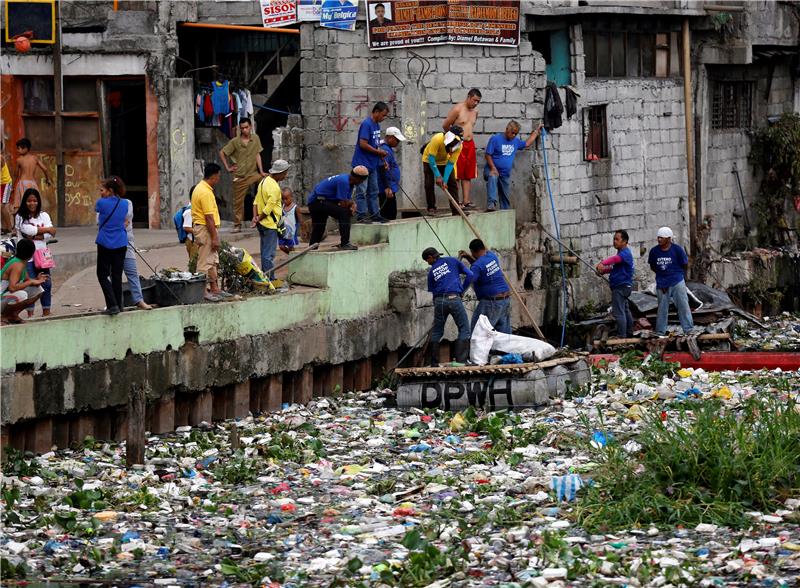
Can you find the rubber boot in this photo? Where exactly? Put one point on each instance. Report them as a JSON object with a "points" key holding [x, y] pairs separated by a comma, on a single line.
{"points": [[434, 355], [462, 350]]}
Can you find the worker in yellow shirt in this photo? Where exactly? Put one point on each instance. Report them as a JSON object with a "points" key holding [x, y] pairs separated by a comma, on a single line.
{"points": [[267, 212], [205, 226], [438, 160], [5, 192]]}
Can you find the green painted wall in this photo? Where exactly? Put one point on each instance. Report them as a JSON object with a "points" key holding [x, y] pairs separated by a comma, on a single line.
{"points": [[350, 284]]}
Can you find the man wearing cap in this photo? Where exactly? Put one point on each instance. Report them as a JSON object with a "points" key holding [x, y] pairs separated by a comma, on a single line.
{"points": [[267, 212], [444, 282], [332, 197], [439, 157], [368, 154], [669, 262], [491, 288], [389, 174]]}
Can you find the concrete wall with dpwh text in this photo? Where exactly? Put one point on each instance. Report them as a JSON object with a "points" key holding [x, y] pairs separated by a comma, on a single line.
{"points": [[341, 79]]}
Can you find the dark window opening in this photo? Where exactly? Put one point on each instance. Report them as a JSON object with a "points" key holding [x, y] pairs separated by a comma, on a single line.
{"points": [[631, 54], [732, 105], [595, 133]]}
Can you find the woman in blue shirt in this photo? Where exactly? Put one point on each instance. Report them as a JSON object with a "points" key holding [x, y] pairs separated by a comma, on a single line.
{"points": [[112, 241]]}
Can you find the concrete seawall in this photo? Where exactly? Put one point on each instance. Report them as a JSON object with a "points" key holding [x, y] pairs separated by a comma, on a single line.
{"points": [[353, 310]]}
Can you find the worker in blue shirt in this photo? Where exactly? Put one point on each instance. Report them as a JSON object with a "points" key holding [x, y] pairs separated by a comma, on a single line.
{"points": [[491, 288], [669, 263], [444, 282], [332, 197], [368, 153], [389, 174]]}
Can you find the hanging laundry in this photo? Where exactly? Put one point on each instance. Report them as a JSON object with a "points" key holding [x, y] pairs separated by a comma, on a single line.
{"points": [[220, 97], [208, 107], [572, 100], [553, 107]]}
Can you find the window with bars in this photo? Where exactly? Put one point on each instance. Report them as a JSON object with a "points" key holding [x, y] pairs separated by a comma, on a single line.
{"points": [[595, 133], [732, 105], [631, 54]]}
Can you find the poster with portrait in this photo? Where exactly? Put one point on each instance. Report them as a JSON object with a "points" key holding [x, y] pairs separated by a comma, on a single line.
{"points": [[309, 10], [409, 23], [339, 14]]}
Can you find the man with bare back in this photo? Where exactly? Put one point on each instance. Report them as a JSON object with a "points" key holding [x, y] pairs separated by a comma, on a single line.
{"points": [[27, 163], [465, 114]]}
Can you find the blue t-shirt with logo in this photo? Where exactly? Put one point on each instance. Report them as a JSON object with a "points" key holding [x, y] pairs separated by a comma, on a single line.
{"points": [[389, 178], [371, 131], [622, 273], [444, 277], [111, 213], [502, 151], [332, 188], [668, 265], [489, 280]]}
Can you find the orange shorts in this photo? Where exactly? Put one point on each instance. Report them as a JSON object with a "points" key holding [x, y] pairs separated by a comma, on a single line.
{"points": [[467, 164]]}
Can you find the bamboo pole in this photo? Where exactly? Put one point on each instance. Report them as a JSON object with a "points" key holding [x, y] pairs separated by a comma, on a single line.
{"points": [[505, 276]]}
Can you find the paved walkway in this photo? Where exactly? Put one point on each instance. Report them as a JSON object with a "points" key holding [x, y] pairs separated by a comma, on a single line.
{"points": [[76, 290]]}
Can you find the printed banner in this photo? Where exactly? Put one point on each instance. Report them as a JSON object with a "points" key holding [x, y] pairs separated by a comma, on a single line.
{"points": [[409, 23], [276, 13], [309, 10], [339, 14]]}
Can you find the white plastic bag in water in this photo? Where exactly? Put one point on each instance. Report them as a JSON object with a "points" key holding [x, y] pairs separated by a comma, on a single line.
{"points": [[541, 350], [481, 341]]}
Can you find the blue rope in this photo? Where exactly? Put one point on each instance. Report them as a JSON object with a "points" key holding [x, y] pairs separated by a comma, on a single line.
{"points": [[558, 238]]}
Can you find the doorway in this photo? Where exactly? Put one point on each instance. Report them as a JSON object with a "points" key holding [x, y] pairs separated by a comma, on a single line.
{"points": [[126, 153]]}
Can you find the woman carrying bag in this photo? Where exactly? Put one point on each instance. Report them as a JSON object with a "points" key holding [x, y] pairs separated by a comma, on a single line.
{"points": [[32, 223], [112, 241]]}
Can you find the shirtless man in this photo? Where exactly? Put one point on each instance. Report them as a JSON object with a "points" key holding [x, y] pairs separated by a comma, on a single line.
{"points": [[27, 163], [464, 114]]}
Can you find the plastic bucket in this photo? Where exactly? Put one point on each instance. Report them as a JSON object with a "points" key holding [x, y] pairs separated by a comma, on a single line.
{"points": [[174, 292]]}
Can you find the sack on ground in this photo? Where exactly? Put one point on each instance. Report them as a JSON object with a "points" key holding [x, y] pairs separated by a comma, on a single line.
{"points": [[541, 350], [481, 341]]}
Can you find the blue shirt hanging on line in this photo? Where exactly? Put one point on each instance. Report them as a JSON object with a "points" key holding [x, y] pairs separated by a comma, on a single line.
{"points": [[219, 98], [489, 280], [444, 277], [332, 188]]}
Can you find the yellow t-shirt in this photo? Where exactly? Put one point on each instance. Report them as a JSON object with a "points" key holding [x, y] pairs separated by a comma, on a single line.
{"points": [[203, 203], [268, 202], [436, 148], [5, 176]]}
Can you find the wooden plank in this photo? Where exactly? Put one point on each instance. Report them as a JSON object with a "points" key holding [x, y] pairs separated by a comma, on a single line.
{"points": [[61, 432], [273, 393], [81, 427], [43, 435], [135, 443], [239, 401], [519, 368], [164, 416], [362, 375], [288, 389], [304, 386], [202, 408], [334, 378], [348, 376], [637, 340], [319, 381]]}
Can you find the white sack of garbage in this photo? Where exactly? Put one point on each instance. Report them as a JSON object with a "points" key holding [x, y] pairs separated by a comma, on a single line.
{"points": [[485, 339]]}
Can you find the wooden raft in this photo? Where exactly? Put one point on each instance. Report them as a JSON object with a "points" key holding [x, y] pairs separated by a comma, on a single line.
{"points": [[479, 370]]}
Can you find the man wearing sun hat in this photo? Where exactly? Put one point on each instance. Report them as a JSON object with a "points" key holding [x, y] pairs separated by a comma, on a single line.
{"points": [[333, 197], [669, 262], [389, 174], [267, 212], [439, 158]]}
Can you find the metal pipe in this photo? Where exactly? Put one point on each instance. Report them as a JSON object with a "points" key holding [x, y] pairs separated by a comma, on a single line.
{"points": [[689, 120], [203, 25]]}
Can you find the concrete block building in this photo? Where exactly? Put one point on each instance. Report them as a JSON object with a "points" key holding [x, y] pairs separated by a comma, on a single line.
{"points": [[134, 71]]}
